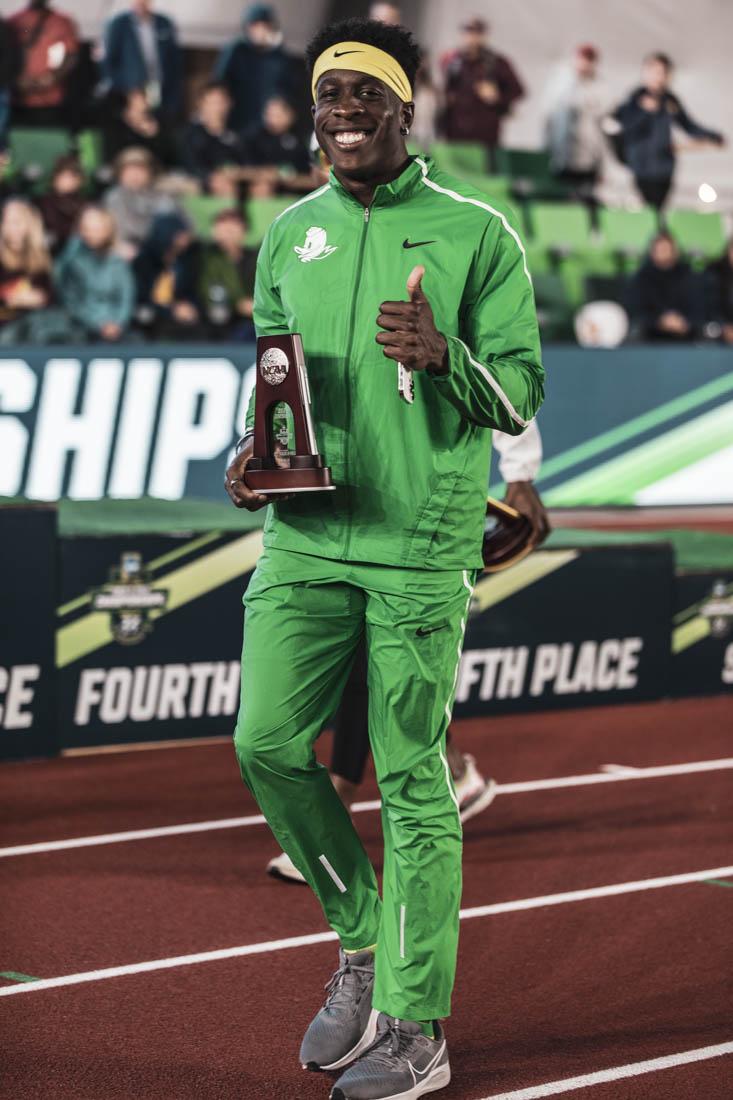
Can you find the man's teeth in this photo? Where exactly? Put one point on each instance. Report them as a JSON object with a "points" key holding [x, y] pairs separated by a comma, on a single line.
{"points": [[350, 137]]}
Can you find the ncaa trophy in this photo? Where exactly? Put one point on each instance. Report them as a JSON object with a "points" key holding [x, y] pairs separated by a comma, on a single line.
{"points": [[285, 458]]}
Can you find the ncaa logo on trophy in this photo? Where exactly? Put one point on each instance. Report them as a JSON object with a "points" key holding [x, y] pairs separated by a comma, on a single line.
{"points": [[274, 366]]}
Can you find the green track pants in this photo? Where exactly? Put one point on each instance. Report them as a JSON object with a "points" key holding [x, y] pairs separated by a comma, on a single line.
{"points": [[303, 620]]}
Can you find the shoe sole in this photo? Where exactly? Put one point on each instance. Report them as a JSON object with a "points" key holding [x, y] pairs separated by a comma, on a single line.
{"points": [[370, 1033], [438, 1079], [481, 801]]}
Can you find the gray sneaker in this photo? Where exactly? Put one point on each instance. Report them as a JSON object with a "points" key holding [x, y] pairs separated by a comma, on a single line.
{"points": [[401, 1064], [346, 1025]]}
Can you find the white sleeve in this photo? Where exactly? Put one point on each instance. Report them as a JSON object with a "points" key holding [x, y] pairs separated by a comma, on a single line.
{"points": [[520, 456]]}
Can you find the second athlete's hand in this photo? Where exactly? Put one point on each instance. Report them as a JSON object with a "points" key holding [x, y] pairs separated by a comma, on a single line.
{"points": [[523, 496], [410, 335]]}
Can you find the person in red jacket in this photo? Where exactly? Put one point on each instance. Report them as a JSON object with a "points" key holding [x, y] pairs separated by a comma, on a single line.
{"points": [[48, 43], [480, 88]]}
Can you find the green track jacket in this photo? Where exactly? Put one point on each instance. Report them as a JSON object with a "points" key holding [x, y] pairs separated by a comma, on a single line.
{"points": [[411, 478]]}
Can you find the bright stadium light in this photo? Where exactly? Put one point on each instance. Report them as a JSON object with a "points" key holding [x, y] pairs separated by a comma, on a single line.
{"points": [[707, 192]]}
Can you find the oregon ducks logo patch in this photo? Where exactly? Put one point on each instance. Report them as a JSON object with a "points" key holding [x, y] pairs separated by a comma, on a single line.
{"points": [[316, 246]]}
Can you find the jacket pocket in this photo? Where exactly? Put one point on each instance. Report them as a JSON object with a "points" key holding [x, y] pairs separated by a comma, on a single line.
{"points": [[429, 517]]}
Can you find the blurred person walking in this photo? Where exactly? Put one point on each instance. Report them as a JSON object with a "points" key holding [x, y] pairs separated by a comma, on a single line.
{"points": [[647, 119], [140, 50], [664, 298], [481, 87], [255, 67], [48, 45], [575, 100]]}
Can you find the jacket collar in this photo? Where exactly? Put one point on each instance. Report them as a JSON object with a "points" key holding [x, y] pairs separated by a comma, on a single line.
{"points": [[386, 194]]}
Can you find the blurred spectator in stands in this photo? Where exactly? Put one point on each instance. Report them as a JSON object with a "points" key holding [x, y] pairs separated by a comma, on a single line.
{"points": [[480, 88], [141, 50], [426, 96], [646, 119], [227, 278], [166, 273], [131, 121], [49, 49], [274, 143], [209, 146], [25, 266], [134, 201], [386, 13], [427, 107], [255, 67], [93, 284], [575, 107], [719, 294], [62, 204], [663, 296], [9, 69]]}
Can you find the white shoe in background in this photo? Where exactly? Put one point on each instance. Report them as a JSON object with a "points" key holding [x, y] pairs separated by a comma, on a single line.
{"points": [[283, 867], [474, 793]]}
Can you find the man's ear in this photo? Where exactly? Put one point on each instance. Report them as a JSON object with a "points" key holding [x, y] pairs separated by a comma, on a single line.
{"points": [[313, 110], [407, 114]]}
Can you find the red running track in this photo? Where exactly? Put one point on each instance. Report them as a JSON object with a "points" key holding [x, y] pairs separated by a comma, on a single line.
{"points": [[542, 995]]}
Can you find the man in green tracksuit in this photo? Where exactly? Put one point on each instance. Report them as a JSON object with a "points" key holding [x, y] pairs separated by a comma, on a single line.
{"points": [[391, 261]]}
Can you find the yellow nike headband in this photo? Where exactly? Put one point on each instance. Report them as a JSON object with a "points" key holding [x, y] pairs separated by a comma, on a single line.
{"points": [[360, 57]]}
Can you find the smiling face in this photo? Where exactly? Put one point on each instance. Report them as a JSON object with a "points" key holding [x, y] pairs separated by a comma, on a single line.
{"points": [[357, 121]]}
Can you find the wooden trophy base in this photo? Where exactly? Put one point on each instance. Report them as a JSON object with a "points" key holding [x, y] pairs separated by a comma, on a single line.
{"points": [[293, 474]]}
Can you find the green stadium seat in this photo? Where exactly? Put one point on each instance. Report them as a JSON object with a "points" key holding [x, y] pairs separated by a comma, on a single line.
{"points": [[261, 213], [34, 151], [700, 235], [562, 228], [494, 187], [532, 163], [460, 157], [529, 170], [627, 232], [91, 151], [202, 209], [539, 261], [554, 310]]}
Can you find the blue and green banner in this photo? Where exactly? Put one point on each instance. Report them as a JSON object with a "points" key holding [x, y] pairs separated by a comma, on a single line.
{"points": [[631, 426]]}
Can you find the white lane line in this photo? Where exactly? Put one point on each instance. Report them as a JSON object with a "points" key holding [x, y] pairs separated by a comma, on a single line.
{"points": [[634, 1069], [558, 783], [617, 768], [323, 937]]}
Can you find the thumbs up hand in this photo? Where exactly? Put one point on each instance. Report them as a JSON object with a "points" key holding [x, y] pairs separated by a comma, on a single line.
{"points": [[410, 335]]}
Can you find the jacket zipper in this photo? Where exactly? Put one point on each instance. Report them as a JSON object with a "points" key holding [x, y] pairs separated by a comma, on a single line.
{"points": [[349, 347]]}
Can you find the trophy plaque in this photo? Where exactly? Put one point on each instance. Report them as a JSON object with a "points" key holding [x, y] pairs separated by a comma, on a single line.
{"points": [[285, 458]]}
